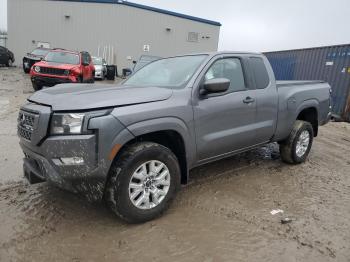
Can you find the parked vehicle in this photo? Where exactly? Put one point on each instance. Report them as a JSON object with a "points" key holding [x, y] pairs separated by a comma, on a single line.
{"points": [[6, 57], [33, 57], [100, 67], [62, 66], [133, 144]]}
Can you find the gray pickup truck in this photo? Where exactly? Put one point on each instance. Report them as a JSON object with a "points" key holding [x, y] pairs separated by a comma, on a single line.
{"points": [[132, 145]]}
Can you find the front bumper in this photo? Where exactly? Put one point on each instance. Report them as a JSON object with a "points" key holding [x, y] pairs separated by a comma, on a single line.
{"points": [[50, 81], [99, 74], [87, 179], [43, 153]]}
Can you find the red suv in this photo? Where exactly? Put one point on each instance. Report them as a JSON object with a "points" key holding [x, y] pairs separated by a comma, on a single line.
{"points": [[62, 66]]}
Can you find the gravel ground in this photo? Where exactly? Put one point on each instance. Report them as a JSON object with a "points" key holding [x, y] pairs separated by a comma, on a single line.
{"points": [[222, 215]]}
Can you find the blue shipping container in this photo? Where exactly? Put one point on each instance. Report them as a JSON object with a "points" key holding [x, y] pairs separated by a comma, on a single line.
{"points": [[330, 64]]}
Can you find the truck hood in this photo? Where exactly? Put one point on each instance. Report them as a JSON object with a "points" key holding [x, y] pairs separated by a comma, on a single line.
{"points": [[67, 97]]}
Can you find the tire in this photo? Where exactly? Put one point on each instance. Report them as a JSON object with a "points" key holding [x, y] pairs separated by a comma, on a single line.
{"points": [[9, 63], [118, 190], [289, 147], [92, 78], [36, 86]]}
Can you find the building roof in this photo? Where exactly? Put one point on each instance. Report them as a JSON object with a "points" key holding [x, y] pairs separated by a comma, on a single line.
{"points": [[148, 8]]}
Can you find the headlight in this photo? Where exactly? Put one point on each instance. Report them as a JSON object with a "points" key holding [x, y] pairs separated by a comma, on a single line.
{"points": [[37, 69], [65, 124]]}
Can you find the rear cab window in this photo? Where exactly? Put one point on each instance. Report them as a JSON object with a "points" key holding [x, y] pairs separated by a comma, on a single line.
{"points": [[262, 79]]}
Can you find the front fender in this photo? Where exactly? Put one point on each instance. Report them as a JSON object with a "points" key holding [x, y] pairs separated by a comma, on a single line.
{"points": [[167, 123]]}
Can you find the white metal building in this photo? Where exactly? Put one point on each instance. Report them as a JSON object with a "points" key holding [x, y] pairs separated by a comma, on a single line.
{"points": [[120, 30]]}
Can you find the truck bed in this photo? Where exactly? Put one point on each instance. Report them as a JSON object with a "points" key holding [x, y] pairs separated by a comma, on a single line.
{"points": [[293, 96]]}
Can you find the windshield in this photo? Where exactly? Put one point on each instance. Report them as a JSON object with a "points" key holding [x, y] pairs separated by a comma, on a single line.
{"points": [[169, 72], [144, 60], [39, 52], [62, 58], [97, 60]]}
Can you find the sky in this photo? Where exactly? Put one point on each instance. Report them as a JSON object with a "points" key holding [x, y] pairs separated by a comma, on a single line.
{"points": [[263, 25]]}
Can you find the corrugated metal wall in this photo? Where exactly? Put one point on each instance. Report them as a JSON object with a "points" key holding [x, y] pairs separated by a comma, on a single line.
{"points": [[331, 64], [90, 25]]}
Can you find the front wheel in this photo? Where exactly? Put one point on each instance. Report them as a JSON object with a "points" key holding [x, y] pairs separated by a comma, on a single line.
{"points": [[9, 63], [143, 182], [296, 148], [36, 86]]}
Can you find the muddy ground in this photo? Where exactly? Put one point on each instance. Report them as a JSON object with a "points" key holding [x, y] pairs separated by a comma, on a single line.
{"points": [[222, 215]]}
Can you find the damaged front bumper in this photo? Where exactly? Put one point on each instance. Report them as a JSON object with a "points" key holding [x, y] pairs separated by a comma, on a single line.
{"points": [[86, 178], [77, 163]]}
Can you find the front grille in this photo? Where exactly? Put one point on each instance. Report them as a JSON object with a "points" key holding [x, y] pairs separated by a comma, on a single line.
{"points": [[25, 126], [52, 71]]}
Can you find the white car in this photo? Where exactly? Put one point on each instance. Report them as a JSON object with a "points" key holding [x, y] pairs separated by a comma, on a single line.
{"points": [[100, 67]]}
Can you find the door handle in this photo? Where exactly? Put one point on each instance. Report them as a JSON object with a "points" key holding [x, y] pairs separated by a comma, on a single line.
{"points": [[248, 100]]}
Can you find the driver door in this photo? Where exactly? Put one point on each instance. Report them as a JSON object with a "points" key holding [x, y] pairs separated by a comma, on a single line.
{"points": [[224, 122]]}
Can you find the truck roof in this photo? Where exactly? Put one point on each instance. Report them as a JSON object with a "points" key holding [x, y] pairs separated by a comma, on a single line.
{"points": [[220, 52]]}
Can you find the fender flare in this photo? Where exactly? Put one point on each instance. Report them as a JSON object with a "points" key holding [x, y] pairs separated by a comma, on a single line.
{"points": [[311, 103], [168, 124]]}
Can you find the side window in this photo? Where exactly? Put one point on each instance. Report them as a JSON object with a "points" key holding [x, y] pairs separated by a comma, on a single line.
{"points": [[262, 78], [229, 68]]}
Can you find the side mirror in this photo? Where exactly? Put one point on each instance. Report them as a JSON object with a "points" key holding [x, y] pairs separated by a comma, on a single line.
{"points": [[216, 85]]}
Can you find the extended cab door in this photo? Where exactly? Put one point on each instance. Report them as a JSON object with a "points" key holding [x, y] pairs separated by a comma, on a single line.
{"points": [[266, 99], [224, 122]]}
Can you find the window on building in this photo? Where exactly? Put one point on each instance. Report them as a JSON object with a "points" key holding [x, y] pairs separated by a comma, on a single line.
{"points": [[193, 37]]}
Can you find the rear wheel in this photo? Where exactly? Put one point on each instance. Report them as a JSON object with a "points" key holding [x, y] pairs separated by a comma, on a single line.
{"points": [[143, 182], [297, 146], [92, 78]]}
